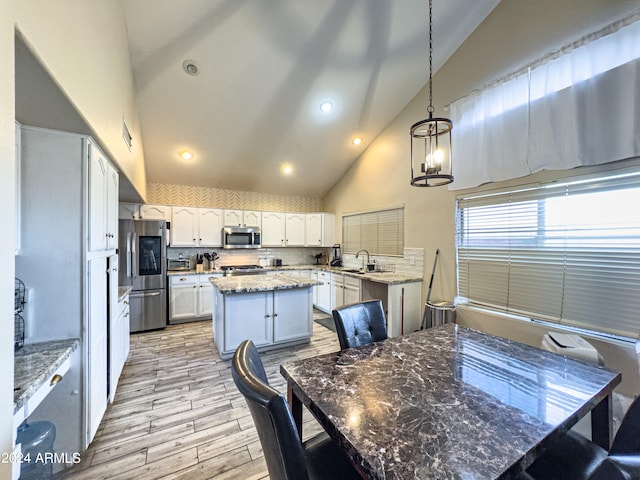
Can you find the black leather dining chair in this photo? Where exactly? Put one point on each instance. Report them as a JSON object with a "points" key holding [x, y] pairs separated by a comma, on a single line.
{"points": [[360, 323], [572, 456], [287, 457]]}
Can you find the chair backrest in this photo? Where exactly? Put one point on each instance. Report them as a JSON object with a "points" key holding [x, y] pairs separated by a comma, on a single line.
{"points": [[281, 445], [627, 439], [360, 323]]}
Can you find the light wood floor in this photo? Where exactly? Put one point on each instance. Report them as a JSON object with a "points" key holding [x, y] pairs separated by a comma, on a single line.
{"points": [[178, 414]]}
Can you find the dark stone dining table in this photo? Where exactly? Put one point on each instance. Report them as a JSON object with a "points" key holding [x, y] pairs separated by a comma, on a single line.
{"points": [[448, 403]]}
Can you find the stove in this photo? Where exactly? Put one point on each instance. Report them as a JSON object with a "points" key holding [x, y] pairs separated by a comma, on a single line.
{"points": [[235, 270]]}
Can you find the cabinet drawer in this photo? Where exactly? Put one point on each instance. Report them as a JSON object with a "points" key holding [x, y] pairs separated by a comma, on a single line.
{"points": [[179, 280], [337, 278], [351, 281]]}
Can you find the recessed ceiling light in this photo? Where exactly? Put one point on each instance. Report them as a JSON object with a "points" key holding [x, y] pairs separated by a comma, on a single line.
{"points": [[191, 67], [186, 155], [287, 169], [357, 141], [326, 107]]}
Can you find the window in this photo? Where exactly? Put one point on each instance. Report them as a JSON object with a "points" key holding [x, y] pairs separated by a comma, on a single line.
{"points": [[567, 252], [380, 232]]}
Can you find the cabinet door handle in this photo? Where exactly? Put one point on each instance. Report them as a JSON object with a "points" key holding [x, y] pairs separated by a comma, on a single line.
{"points": [[275, 315], [55, 379], [267, 316]]}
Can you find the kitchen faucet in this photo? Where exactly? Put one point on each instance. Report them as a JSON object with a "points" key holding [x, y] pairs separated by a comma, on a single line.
{"points": [[365, 251]]}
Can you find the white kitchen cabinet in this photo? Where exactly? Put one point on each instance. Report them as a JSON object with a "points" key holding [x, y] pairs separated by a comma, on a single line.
{"points": [[273, 229], [184, 227], [113, 181], [233, 218], [241, 218], [345, 289], [73, 302], [190, 298], [196, 227], [97, 341], [144, 211], [119, 343], [320, 229], [351, 290], [252, 218], [267, 318], [401, 302], [322, 293], [154, 212], [210, 227], [295, 229], [289, 323], [103, 201]]}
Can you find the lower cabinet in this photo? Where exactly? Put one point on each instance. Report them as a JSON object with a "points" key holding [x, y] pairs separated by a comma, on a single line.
{"points": [[322, 293], [97, 340], [190, 298], [401, 302], [119, 345], [268, 318], [344, 290]]}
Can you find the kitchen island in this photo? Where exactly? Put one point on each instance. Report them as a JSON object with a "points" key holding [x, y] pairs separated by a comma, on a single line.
{"points": [[271, 310]]}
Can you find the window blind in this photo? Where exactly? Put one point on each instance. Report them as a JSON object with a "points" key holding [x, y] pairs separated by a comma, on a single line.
{"points": [[379, 232], [568, 252]]}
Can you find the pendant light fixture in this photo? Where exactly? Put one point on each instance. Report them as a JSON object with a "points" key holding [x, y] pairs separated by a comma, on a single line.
{"points": [[431, 139]]}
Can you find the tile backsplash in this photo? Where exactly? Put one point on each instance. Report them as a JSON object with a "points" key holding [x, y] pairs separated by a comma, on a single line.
{"points": [[411, 263]]}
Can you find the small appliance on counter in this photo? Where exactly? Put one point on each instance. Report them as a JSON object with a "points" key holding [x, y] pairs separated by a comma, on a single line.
{"points": [[318, 257], [178, 264], [337, 258]]}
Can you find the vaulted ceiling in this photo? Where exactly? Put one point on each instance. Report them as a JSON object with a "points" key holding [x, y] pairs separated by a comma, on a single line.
{"points": [[264, 68]]}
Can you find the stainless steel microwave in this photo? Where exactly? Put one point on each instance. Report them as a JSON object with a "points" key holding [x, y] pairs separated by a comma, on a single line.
{"points": [[241, 237]]}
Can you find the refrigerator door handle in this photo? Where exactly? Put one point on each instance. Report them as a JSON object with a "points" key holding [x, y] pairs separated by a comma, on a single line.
{"points": [[138, 295], [128, 259]]}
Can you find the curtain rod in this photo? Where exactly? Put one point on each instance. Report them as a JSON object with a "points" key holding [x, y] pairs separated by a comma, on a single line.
{"points": [[553, 54]]}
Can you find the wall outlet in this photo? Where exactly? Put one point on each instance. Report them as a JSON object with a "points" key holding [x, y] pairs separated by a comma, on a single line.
{"points": [[412, 260]]}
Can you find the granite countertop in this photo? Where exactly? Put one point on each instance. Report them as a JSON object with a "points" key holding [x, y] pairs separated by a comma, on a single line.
{"points": [[35, 363], [446, 402], [261, 283], [389, 278], [177, 273]]}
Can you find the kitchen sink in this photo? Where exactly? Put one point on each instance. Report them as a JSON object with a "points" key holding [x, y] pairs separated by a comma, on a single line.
{"points": [[353, 270]]}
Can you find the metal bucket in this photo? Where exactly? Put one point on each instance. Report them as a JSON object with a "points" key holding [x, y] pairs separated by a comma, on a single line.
{"points": [[438, 313]]}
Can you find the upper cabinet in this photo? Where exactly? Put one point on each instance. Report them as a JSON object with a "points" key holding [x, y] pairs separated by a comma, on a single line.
{"points": [[273, 229], [103, 201], [144, 212], [239, 218], [295, 229], [320, 230], [196, 227]]}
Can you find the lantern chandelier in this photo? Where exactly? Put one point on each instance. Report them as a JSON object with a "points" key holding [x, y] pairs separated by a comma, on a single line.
{"points": [[431, 139]]}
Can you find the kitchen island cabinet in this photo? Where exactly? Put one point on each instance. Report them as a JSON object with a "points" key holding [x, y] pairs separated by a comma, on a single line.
{"points": [[271, 310]]}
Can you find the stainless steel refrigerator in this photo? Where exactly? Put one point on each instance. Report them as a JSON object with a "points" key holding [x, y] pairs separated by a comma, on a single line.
{"points": [[142, 251]]}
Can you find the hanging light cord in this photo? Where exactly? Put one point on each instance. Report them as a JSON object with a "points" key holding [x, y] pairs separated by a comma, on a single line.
{"points": [[430, 108]]}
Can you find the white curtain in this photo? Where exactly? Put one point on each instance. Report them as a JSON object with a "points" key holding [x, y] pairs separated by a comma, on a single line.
{"points": [[578, 107]]}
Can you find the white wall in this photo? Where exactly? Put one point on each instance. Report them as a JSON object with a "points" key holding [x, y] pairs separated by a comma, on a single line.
{"points": [[83, 46], [516, 32], [7, 219]]}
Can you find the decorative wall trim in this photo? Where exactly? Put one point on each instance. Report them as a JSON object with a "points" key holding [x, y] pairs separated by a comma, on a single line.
{"points": [[192, 196]]}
